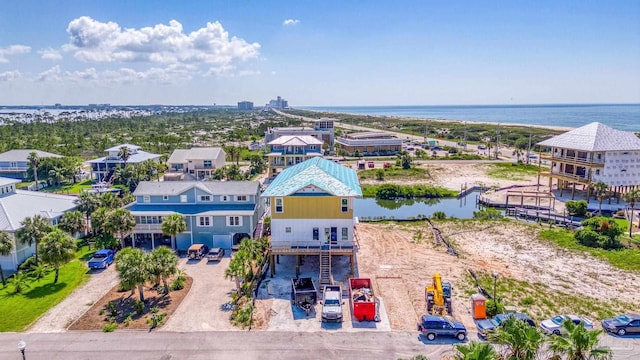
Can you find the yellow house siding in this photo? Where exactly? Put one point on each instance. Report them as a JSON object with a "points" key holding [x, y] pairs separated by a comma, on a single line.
{"points": [[311, 207]]}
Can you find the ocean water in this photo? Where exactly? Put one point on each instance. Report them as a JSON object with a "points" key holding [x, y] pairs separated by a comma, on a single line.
{"points": [[620, 116]]}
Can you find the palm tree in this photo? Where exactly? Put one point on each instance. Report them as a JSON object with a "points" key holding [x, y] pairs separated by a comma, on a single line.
{"points": [[120, 221], [57, 248], [20, 281], [518, 339], [164, 264], [100, 221], [476, 351], [124, 153], [234, 153], [110, 200], [236, 269], [131, 265], [33, 230], [600, 191], [72, 222], [173, 225], [87, 203], [631, 197], [578, 343], [6, 245], [517, 152], [33, 160]]}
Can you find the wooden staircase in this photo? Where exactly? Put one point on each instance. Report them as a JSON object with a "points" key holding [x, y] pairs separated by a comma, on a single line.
{"points": [[325, 268]]}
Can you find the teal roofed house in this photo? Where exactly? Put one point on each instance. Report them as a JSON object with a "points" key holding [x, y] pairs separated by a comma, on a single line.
{"points": [[312, 213]]}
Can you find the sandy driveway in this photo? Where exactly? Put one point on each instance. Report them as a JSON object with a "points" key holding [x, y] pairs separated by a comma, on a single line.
{"points": [[62, 315], [203, 308]]}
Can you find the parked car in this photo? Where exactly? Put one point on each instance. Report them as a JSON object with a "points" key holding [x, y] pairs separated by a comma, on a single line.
{"points": [[432, 326], [215, 254], [554, 325], [197, 251], [371, 164], [101, 259], [622, 324], [487, 325]]}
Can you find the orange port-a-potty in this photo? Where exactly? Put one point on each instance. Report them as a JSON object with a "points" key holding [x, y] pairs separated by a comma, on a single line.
{"points": [[478, 307]]}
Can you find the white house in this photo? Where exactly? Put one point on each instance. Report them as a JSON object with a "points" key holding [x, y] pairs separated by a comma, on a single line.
{"points": [[200, 162]]}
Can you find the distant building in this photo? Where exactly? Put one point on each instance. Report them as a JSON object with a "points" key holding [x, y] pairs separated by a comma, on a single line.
{"points": [[369, 143], [287, 150], [592, 153], [199, 163], [278, 103], [102, 168], [322, 130], [15, 164], [17, 205], [245, 105]]}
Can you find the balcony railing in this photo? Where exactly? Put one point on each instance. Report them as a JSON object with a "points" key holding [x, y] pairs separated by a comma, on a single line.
{"points": [[13, 168], [566, 175], [313, 246], [574, 159], [148, 227]]}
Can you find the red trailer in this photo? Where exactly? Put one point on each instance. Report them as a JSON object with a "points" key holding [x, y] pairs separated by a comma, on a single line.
{"points": [[364, 305]]}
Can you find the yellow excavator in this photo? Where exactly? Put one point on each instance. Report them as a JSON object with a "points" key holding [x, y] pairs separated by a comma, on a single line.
{"points": [[438, 297]]}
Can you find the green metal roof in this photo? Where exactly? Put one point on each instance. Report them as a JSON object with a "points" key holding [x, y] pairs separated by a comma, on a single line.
{"points": [[327, 175]]}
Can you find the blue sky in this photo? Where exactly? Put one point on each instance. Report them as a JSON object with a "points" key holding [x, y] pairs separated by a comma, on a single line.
{"points": [[325, 53]]}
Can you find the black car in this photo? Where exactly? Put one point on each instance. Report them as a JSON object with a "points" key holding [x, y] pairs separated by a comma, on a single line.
{"points": [[622, 324], [432, 326], [484, 326]]}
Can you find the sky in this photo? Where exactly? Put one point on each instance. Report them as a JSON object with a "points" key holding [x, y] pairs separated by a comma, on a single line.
{"points": [[319, 53]]}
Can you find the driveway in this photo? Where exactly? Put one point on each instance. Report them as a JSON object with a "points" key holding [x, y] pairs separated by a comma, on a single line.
{"points": [[73, 306], [203, 309]]}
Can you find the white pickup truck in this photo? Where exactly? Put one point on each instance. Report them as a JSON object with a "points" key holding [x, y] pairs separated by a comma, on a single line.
{"points": [[332, 303]]}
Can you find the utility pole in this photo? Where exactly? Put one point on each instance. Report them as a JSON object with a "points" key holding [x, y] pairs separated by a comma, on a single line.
{"points": [[464, 139], [426, 142], [529, 148], [497, 140]]}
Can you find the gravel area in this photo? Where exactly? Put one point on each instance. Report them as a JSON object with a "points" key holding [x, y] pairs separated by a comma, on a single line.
{"points": [[62, 315]]}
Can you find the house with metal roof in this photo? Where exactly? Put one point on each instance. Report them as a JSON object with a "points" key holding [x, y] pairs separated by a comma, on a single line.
{"points": [[323, 129], [15, 164], [102, 168], [289, 150], [195, 163], [217, 213], [312, 213], [369, 143], [590, 154], [17, 205]]}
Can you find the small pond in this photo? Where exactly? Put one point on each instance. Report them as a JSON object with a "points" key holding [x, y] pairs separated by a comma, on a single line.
{"points": [[461, 208]]}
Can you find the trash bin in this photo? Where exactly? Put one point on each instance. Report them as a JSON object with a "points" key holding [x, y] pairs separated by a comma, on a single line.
{"points": [[478, 307]]}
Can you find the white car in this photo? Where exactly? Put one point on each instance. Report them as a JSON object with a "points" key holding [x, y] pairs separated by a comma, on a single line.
{"points": [[554, 325]]}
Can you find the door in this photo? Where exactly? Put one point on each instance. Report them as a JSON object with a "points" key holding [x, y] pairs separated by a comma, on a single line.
{"points": [[634, 327], [334, 236]]}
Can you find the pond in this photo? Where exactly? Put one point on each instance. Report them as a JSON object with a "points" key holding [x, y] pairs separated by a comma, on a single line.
{"points": [[461, 208]]}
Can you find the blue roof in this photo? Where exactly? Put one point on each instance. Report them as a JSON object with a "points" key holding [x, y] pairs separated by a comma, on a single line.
{"points": [[187, 209], [329, 176]]}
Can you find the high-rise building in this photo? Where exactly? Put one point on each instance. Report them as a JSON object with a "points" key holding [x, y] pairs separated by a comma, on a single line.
{"points": [[279, 103], [245, 105]]}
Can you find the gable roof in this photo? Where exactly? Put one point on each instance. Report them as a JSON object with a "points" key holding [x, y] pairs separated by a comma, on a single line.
{"points": [[23, 155], [8, 181], [16, 207], [213, 187], [134, 158], [117, 147], [333, 178], [595, 137], [200, 153], [295, 140]]}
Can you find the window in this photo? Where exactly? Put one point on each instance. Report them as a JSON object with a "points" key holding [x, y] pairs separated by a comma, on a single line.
{"points": [[183, 198], [344, 205], [207, 163], [165, 197], [599, 156], [345, 234], [279, 207], [241, 198], [205, 197], [287, 229], [146, 198], [316, 234], [234, 221], [224, 198], [597, 171], [204, 221]]}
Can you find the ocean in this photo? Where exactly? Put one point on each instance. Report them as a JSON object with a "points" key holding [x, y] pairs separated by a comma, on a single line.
{"points": [[619, 116]]}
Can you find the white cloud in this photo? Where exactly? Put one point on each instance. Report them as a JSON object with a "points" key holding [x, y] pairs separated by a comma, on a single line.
{"points": [[90, 76], [13, 50], [52, 74], [10, 75], [95, 41], [290, 22], [50, 54]]}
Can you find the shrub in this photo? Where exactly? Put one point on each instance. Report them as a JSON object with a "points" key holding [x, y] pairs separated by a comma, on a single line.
{"points": [[380, 175], [576, 208], [27, 264], [139, 307], [439, 215], [487, 214], [527, 301], [494, 308], [127, 320], [109, 327], [112, 308], [177, 284], [599, 232]]}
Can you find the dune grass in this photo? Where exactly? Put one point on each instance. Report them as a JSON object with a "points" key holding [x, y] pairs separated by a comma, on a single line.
{"points": [[21, 310], [511, 171]]}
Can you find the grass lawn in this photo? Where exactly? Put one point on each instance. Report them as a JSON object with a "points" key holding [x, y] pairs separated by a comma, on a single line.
{"points": [[69, 188], [20, 310], [511, 171], [626, 259]]}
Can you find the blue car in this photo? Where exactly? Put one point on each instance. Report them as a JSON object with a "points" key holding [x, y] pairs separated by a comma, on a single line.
{"points": [[487, 325], [622, 324], [432, 326], [101, 259]]}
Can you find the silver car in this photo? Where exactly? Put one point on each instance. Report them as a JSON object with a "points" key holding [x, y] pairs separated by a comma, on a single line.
{"points": [[554, 325]]}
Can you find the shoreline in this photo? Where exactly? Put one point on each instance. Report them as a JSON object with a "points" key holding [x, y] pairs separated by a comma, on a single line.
{"points": [[504, 124]]}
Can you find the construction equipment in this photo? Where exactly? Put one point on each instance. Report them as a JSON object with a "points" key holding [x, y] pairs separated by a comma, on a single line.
{"points": [[438, 297]]}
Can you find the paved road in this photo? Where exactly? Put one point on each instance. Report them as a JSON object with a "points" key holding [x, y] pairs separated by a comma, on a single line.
{"points": [[243, 345]]}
